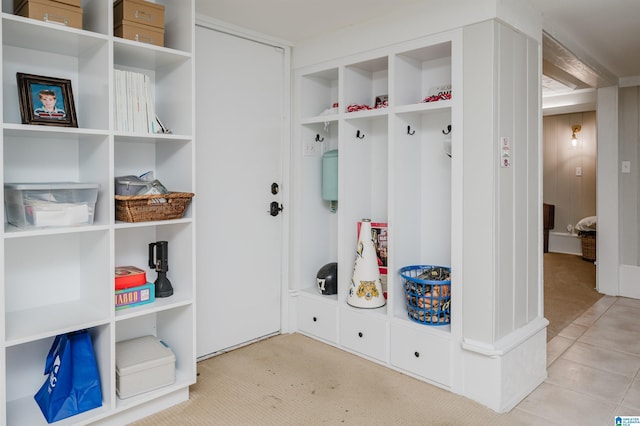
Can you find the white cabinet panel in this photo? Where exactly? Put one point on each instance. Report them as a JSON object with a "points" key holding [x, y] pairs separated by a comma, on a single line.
{"points": [[422, 352], [319, 318], [364, 332]]}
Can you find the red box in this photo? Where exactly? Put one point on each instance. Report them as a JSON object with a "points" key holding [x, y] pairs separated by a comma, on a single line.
{"points": [[129, 276]]}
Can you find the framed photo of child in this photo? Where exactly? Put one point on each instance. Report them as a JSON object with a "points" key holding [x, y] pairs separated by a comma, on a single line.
{"points": [[46, 100]]}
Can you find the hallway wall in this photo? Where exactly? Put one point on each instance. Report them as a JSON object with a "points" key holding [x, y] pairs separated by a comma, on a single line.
{"points": [[629, 122], [574, 196]]}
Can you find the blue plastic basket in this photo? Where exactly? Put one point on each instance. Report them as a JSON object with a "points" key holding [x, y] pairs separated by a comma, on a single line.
{"points": [[428, 300]]}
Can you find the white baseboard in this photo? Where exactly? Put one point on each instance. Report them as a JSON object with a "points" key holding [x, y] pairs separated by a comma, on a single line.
{"points": [[630, 281], [499, 376], [153, 406]]}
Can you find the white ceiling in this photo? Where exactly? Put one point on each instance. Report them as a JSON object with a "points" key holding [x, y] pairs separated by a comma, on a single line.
{"points": [[606, 32], [297, 20]]}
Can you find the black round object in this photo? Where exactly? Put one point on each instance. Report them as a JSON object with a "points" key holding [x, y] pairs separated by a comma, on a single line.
{"points": [[327, 279]]}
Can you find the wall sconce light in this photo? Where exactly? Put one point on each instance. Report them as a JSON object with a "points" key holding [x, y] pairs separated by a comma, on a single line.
{"points": [[574, 139]]}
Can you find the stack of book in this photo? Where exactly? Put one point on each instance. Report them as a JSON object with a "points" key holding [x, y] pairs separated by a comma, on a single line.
{"points": [[132, 288], [134, 107]]}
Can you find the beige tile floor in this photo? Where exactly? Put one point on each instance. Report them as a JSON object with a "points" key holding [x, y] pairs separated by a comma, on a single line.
{"points": [[593, 369]]}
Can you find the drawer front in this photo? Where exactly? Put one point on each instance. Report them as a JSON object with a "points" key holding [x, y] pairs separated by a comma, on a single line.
{"points": [[363, 333], [141, 33], [421, 352], [53, 12], [140, 12], [318, 318]]}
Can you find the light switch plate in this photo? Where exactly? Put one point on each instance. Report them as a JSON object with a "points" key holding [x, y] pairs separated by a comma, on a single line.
{"points": [[310, 148], [626, 167]]}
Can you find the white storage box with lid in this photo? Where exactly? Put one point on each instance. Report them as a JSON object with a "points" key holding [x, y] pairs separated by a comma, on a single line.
{"points": [[143, 364], [50, 203]]}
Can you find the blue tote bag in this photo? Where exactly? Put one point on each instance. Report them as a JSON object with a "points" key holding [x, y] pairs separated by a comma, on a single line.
{"points": [[73, 383]]}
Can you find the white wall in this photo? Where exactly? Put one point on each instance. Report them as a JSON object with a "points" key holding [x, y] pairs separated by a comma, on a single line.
{"points": [[629, 98], [629, 232], [502, 204], [607, 248]]}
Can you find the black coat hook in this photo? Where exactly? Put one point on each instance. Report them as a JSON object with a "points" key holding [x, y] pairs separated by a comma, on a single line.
{"points": [[359, 135], [409, 131], [448, 130], [318, 139]]}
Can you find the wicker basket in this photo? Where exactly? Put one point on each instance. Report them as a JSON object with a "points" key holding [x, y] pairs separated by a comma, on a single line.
{"points": [[428, 301], [146, 208], [588, 240]]}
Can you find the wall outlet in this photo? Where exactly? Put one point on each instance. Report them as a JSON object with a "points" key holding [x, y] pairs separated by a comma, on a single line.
{"points": [[578, 171], [626, 167]]}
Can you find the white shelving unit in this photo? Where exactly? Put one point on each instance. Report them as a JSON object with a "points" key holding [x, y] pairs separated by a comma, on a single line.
{"points": [[394, 168], [58, 280]]}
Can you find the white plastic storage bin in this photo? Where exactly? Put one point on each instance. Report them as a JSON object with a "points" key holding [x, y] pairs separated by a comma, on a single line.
{"points": [[143, 364], [131, 185], [50, 204]]}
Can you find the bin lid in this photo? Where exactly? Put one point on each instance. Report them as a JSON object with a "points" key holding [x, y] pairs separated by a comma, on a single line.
{"points": [[34, 186], [131, 180], [142, 353]]}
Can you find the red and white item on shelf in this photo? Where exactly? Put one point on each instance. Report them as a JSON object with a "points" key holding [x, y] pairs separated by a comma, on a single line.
{"points": [[439, 94], [356, 107], [365, 290], [380, 236], [382, 101], [129, 276]]}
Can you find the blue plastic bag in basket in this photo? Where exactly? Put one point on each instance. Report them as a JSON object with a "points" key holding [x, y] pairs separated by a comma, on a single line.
{"points": [[73, 383]]}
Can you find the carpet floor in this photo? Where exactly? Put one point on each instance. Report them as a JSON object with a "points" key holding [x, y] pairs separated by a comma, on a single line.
{"points": [[569, 289], [292, 379], [295, 380]]}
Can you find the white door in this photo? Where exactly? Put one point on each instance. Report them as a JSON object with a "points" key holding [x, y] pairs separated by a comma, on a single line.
{"points": [[239, 132]]}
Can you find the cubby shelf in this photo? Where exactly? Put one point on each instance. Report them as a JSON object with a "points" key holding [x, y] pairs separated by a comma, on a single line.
{"points": [[58, 280], [393, 167]]}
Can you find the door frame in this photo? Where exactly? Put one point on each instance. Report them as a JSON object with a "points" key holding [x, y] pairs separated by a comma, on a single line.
{"points": [[216, 25]]}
